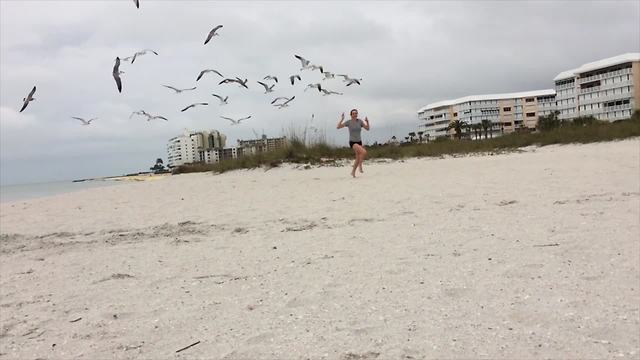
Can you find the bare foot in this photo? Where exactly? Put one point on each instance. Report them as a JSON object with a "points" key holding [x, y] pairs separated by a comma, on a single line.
{"points": [[353, 173]]}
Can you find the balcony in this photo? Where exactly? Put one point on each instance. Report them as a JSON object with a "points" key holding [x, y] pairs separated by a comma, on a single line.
{"points": [[605, 75]]}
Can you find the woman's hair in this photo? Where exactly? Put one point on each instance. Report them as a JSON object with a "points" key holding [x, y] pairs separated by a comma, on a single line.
{"points": [[352, 110]]}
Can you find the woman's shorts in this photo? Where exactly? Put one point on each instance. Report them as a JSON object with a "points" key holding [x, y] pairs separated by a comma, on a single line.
{"points": [[351, 143]]}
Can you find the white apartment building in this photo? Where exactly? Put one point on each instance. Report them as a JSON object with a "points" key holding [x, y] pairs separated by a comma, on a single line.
{"points": [[195, 146], [507, 112], [607, 89]]}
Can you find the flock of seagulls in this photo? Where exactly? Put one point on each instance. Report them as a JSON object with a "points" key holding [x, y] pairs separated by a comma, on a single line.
{"points": [[280, 102]]}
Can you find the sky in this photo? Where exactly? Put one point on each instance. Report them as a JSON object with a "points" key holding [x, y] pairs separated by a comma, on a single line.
{"points": [[408, 54]]}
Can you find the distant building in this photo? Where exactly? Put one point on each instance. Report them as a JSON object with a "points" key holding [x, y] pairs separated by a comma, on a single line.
{"points": [[607, 89], [194, 146], [507, 112], [209, 147], [263, 144]]}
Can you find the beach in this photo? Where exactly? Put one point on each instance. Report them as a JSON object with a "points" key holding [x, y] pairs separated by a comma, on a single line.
{"points": [[528, 254]]}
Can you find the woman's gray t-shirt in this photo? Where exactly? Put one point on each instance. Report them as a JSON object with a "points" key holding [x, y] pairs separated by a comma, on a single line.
{"points": [[355, 128]]}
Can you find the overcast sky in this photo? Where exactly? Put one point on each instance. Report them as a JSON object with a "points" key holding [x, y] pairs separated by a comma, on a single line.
{"points": [[408, 55]]}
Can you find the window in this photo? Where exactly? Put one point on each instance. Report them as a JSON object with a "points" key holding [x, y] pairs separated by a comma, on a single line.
{"points": [[531, 114], [529, 100], [505, 109], [455, 114]]}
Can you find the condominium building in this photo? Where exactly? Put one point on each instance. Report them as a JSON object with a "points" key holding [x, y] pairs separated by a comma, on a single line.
{"points": [[262, 145], [607, 89], [195, 146], [506, 112]]}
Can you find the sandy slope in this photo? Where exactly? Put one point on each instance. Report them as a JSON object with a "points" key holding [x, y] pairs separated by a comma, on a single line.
{"points": [[525, 255]]}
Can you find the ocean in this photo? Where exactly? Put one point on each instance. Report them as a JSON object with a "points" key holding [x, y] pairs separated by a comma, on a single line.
{"points": [[11, 193]]}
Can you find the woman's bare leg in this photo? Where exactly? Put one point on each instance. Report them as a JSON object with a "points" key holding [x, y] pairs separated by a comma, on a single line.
{"points": [[355, 163]]}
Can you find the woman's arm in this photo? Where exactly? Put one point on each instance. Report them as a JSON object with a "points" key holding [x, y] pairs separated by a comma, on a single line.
{"points": [[366, 123], [340, 123]]}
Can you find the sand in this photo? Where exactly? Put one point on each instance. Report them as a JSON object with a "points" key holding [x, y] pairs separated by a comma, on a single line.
{"points": [[532, 254]]}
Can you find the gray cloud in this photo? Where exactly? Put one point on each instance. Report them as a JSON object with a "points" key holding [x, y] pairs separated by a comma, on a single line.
{"points": [[409, 54]]}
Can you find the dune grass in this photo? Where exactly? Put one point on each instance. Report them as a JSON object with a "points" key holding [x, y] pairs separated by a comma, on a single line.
{"points": [[304, 149]]}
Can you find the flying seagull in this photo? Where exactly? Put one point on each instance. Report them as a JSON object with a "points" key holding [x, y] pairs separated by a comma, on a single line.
{"points": [[140, 112], [269, 77], [316, 67], [305, 63], [328, 92], [84, 122], [349, 80], [178, 91], [116, 74], [242, 83], [137, 2], [28, 99], [193, 105], [142, 52], [223, 101], [206, 71], [267, 88], [212, 33], [293, 77], [285, 104], [149, 118], [317, 85], [328, 75], [236, 122], [281, 98]]}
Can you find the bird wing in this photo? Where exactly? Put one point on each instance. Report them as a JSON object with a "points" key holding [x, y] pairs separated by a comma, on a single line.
{"points": [[188, 107], [201, 73], [213, 31], [278, 98], [172, 88], [160, 117], [217, 72], [218, 96], [245, 118], [193, 88], [137, 2], [304, 61], [289, 100], [266, 87], [33, 91], [81, 119]]}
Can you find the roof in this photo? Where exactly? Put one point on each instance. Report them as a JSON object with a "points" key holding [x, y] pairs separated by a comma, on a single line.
{"points": [[545, 92], [612, 61]]}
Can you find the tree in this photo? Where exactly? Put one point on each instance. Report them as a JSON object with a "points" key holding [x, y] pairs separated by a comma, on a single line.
{"points": [[412, 135], [420, 135], [457, 126], [486, 125], [549, 122], [477, 128], [158, 167]]}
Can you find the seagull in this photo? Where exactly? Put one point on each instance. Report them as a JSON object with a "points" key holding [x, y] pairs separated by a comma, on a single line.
{"points": [[285, 104], [316, 67], [267, 88], [318, 85], [116, 74], [223, 101], [212, 33], [84, 122], [281, 98], [137, 2], [305, 62], [242, 83], [142, 52], [140, 112], [328, 75], [178, 91], [205, 71], [236, 122], [149, 118], [269, 77], [350, 81], [293, 77], [28, 99], [328, 92], [193, 105]]}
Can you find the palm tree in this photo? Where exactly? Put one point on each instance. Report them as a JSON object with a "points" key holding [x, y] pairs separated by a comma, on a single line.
{"points": [[420, 135], [476, 128], [486, 125], [458, 126], [412, 135]]}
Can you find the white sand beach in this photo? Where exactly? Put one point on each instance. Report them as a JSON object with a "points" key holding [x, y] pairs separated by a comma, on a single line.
{"points": [[531, 254]]}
